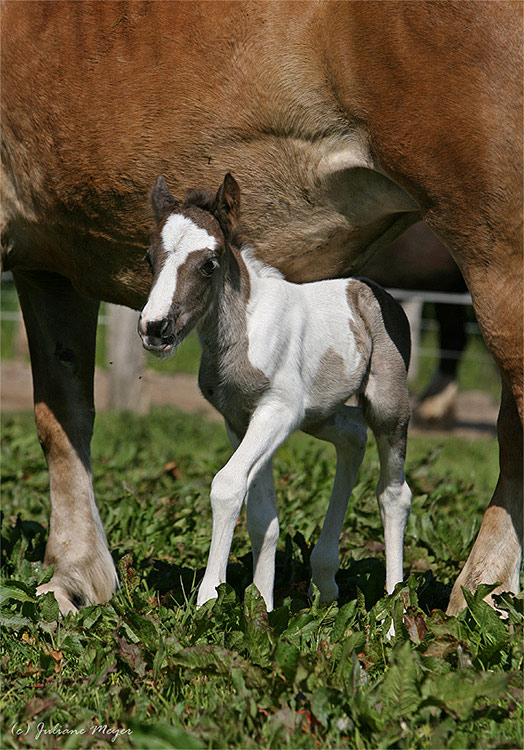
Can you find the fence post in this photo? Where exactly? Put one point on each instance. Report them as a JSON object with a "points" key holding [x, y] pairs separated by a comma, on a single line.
{"points": [[126, 360], [413, 309]]}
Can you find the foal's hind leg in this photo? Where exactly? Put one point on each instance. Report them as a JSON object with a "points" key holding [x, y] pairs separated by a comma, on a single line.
{"points": [[346, 430], [394, 501], [387, 411], [61, 329]]}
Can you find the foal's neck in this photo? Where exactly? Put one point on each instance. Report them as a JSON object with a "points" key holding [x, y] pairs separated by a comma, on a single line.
{"points": [[224, 324]]}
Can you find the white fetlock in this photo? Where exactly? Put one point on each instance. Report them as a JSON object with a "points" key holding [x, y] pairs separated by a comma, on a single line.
{"points": [[206, 593]]}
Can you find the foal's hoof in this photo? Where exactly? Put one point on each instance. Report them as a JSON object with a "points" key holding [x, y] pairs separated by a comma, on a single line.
{"points": [[65, 604], [206, 595], [327, 593], [391, 632]]}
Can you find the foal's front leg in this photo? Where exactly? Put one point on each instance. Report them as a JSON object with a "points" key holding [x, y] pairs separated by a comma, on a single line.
{"points": [[268, 428], [263, 527], [262, 524]]}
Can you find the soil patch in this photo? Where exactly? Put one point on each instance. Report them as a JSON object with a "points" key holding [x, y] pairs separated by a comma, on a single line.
{"points": [[475, 412]]}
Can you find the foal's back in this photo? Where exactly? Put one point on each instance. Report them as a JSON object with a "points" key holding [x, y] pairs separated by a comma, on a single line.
{"points": [[321, 341]]}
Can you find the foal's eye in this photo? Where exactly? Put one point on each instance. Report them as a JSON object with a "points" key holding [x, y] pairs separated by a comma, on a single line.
{"points": [[209, 266]]}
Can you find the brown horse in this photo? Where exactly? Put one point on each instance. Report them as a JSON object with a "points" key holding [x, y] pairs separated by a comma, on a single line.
{"points": [[343, 122]]}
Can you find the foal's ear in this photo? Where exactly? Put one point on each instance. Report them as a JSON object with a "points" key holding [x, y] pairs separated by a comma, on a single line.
{"points": [[162, 201], [227, 204]]}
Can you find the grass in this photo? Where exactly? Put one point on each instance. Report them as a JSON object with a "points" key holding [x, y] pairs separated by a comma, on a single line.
{"points": [[9, 301], [147, 670]]}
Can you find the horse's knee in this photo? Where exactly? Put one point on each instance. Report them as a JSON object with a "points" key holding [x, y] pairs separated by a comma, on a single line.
{"points": [[64, 436], [386, 405], [394, 500], [51, 435], [228, 491]]}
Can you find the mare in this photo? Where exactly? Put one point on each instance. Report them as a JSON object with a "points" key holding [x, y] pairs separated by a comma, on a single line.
{"points": [[344, 122], [276, 357]]}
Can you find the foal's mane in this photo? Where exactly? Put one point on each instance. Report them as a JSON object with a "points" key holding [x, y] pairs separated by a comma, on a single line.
{"points": [[198, 198]]}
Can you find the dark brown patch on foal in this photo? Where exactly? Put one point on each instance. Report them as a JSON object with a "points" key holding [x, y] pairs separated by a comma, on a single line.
{"points": [[384, 400]]}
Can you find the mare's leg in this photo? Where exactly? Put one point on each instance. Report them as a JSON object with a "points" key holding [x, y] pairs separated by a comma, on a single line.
{"points": [[61, 330], [452, 337], [347, 431], [496, 554], [496, 289], [387, 411], [268, 428]]}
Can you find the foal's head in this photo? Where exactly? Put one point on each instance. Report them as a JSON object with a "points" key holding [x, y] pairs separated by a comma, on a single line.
{"points": [[186, 256]]}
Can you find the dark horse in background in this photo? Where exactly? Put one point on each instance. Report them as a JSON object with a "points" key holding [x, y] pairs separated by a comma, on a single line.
{"points": [[344, 123]]}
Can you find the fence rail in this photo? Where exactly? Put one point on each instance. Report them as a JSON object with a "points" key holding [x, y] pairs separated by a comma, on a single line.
{"points": [[446, 298]]}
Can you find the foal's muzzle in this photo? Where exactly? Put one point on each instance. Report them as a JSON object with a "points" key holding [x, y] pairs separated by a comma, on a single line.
{"points": [[157, 336]]}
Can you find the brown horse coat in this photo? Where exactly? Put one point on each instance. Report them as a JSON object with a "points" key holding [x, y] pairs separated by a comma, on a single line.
{"points": [[343, 123]]}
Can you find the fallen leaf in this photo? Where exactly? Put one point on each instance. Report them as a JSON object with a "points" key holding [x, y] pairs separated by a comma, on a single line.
{"points": [[37, 705], [172, 468]]}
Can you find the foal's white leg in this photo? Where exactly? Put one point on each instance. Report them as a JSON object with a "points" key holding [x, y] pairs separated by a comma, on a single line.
{"points": [[270, 425], [347, 431], [394, 501], [263, 527]]}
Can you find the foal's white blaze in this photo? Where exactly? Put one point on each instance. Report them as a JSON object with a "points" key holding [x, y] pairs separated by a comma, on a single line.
{"points": [[180, 237]]}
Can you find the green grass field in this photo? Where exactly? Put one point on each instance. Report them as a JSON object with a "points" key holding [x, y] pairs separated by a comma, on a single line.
{"points": [[148, 670]]}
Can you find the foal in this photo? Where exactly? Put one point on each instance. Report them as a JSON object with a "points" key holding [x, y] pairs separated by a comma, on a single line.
{"points": [[277, 357]]}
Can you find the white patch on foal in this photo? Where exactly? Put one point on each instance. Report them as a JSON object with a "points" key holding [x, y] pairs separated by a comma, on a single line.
{"points": [[289, 323], [180, 237]]}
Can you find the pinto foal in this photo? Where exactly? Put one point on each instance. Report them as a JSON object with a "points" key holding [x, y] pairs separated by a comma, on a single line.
{"points": [[277, 357]]}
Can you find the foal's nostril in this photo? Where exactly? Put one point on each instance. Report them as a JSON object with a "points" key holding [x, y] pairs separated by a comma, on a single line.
{"points": [[166, 329], [160, 329]]}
